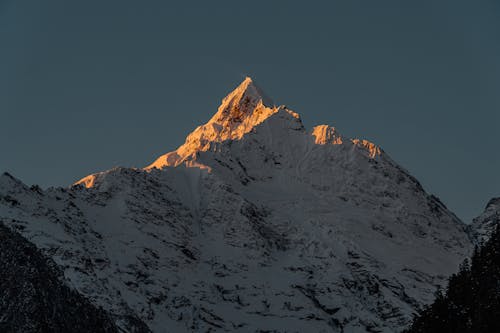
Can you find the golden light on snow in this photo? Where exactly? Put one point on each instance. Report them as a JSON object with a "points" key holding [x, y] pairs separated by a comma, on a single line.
{"points": [[88, 181], [240, 112], [373, 149], [325, 134]]}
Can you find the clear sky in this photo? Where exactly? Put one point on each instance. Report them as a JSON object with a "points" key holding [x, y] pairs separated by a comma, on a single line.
{"points": [[88, 85]]}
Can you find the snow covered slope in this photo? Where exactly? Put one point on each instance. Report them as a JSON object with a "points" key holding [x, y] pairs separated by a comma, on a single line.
{"points": [[254, 224], [33, 299], [483, 225]]}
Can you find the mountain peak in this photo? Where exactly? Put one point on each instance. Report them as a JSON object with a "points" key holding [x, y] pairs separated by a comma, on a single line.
{"points": [[483, 226], [248, 88], [242, 101], [493, 204], [240, 111], [246, 105]]}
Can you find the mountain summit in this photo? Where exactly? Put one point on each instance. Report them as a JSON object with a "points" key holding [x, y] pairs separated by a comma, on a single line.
{"points": [[245, 97], [240, 111], [255, 223]]}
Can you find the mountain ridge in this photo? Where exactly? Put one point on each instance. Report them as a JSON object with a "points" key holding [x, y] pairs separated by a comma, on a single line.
{"points": [[262, 226], [241, 112]]}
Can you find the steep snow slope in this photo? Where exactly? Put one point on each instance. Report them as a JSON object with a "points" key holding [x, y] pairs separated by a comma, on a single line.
{"points": [[254, 224]]}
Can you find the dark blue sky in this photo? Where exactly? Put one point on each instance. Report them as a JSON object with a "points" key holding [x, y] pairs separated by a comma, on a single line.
{"points": [[88, 85]]}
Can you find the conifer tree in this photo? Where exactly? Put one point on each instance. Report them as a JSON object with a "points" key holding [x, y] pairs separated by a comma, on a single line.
{"points": [[471, 302]]}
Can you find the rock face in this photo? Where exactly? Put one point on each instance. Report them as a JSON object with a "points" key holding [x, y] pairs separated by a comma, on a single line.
{"points": [[32, 297], [253, 224]]}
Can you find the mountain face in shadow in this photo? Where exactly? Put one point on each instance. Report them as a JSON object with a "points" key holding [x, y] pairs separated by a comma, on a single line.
{"points": [[33, 297]]}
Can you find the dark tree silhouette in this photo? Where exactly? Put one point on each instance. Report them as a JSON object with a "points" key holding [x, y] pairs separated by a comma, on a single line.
{"points": [[471, 302]]}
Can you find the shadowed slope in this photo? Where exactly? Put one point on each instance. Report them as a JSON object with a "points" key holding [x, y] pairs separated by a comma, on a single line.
{"points": [[33, 297]]}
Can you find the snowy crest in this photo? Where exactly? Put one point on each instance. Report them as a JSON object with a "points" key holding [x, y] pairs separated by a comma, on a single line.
{"points": [[241, 102], [240, 112], [248, 111]]}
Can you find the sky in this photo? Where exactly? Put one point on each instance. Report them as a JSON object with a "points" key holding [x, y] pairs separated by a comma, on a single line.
{"points": [[89, 85]]}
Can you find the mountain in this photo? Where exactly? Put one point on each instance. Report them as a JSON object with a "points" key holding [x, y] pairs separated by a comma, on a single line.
{"points": [[253, 224], [484, 225]]}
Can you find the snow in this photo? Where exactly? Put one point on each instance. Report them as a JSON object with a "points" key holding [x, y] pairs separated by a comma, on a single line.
{"points": [[483, 225], [325, 134], [254, 223]]}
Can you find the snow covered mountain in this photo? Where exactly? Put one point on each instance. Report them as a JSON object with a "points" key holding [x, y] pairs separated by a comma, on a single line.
{"points": [[483, 225], [254, 224]]}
